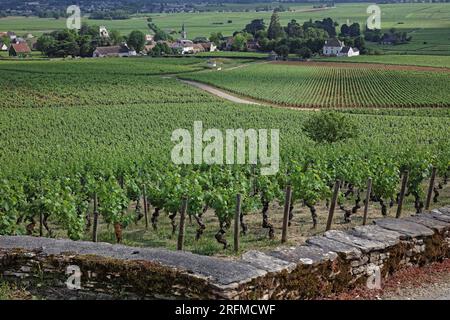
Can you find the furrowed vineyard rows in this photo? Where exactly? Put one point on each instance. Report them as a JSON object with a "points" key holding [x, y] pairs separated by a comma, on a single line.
{"points": [[55, 160], [75, 84], [333, 87]]}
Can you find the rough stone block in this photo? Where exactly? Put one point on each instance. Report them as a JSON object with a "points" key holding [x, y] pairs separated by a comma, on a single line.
{"points": [[365, 245], [266, 262], [428, 221], [440, 216], [373, 232], [408, 229], [329, 245], [304, 255]]}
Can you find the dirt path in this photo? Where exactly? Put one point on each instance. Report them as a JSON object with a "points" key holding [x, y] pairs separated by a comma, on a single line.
{"points": [[220, 93], [233, 98], [430, 282], [437, 289]]}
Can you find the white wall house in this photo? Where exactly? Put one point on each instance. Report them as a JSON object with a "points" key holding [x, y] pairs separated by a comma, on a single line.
{"points": [[184, 46], [348, 52], [334, 47]]}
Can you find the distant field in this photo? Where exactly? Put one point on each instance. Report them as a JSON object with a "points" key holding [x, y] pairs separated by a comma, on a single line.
{"points": [[95, 81], [428, 23], [416, 60], [319, 85]]}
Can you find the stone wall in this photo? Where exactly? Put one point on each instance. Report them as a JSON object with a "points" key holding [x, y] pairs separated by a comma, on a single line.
{"points": [[325, 264]]}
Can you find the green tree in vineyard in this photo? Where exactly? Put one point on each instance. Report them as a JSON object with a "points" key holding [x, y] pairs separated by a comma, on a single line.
{"points": [[309, 185], [113, 205], [385, 179]]}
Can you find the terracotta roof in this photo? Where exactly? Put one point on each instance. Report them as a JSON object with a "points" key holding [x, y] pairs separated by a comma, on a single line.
{"points": [[21, 47], [206, 45], [198, 46]]}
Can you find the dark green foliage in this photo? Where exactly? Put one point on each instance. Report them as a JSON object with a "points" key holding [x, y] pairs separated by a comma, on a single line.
{"points": [[330, 127]]}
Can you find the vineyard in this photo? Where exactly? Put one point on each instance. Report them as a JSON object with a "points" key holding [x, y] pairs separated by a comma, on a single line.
{"points": [[94, 143], [317, 86]]}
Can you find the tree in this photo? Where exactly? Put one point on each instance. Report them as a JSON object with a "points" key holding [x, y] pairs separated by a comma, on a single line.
{"points": [[283, 51], [161, 49], [345, 30], [216, 38], [161, 35], [239, 42], [360, 43], [330, 127], [294, 29], [275, 30], [354, 30], [86, 47], [304, 53], [115, 37], [328, 25], [136, 40], [255, 26], [46, 44]]}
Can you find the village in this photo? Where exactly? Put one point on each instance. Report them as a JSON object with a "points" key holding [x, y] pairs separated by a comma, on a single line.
{"points": [[294, 41], [24, 46]]}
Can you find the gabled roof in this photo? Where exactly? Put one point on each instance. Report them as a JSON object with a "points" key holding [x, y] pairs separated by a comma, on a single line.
{"points": [[345, 49], [334, 42], [21, 47], [206, 45]]}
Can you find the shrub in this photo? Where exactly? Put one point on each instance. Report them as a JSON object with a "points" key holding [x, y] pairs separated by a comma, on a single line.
{"points": [[330, 127]]}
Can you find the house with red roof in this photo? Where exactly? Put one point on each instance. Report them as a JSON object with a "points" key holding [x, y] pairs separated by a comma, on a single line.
{"points": [[20, 49]]}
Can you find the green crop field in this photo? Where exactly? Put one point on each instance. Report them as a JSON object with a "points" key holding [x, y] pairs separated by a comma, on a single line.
{"points": [[414, 60], [318, 85], [72, 131], [110, 81], [428, 24]]}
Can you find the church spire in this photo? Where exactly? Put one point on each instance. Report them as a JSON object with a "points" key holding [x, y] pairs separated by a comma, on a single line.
{"points": [[183, 32]]}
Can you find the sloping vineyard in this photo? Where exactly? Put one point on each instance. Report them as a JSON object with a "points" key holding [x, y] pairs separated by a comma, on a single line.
{"points": [[60, 165], [317, 86]]}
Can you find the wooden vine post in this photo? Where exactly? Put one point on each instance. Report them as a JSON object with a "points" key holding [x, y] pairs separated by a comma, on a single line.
{"points": [[430, 189], [287, 204], [144, 195], [366, 203], [402, 194], [333, 204], [41, 223], [180, 243], [237, 220], [95, 226]]}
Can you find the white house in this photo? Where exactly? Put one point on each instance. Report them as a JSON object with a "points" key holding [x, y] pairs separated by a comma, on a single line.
{"points": [[348, 52], [184, 46], [335, 47], [332, 47]]}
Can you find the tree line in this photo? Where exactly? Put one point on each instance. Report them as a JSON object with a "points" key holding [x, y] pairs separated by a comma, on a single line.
{"points": [[304, 39]]}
